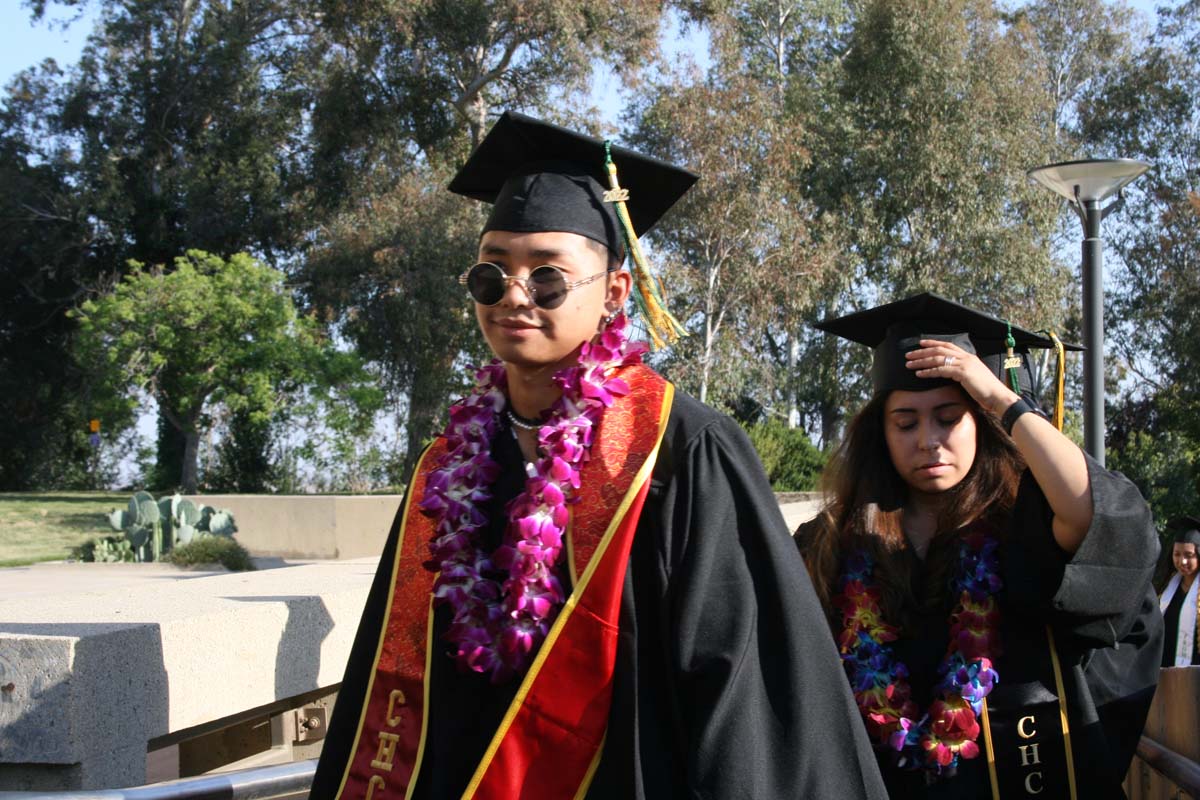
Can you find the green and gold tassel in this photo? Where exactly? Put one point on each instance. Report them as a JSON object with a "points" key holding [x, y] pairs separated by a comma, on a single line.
{"points": [[664, 329], [1060, 379]]}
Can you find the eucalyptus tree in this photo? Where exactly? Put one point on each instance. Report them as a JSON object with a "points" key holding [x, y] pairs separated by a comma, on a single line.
{"points": [[406, 88], [1148, 107]]}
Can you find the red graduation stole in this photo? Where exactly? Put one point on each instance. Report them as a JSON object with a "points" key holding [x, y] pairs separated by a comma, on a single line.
{"points": [[550, 740]]}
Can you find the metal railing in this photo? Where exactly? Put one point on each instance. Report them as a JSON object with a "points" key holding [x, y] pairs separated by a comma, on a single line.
{"points": [[1181, 771], [261, 783]]}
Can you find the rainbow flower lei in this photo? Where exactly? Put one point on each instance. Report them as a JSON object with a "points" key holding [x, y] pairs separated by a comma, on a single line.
{"points": [[498, 624], [949, 729]]}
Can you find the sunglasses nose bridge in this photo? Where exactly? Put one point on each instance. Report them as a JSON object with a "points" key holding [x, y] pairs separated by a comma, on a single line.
{"points": [[524, 293]]}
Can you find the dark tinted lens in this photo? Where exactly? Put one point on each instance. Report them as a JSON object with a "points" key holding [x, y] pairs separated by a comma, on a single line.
{"points": [[549, 287], [485, 282]]}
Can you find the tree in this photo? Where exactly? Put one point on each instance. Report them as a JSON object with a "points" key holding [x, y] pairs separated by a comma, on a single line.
{"points": [[1149, 108], [1079, 41], [407, 88], [181, 126], [49, 251], [387, 268], [735, 249], [210, 332], [920, 141]]}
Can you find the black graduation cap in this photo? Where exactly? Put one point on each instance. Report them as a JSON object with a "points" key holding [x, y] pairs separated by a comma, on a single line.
{"points": [[543, 177], [897, 328], [1186, 530]]}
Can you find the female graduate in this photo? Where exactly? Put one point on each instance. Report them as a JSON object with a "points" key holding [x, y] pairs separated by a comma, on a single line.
{"points": [[1179, 601], [987, 582]]}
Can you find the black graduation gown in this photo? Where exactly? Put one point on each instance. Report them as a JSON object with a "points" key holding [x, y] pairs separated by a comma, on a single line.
{"points": [[1103, 614], [727, 685]]}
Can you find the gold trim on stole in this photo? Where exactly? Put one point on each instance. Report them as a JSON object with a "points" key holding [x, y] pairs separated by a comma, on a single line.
{"points": [[1062, 710], [991, 753], [643, 475], [408, 499]]}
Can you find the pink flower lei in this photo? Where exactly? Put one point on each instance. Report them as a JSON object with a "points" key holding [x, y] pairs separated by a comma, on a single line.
{"points": [[949, 729], [498, 625]]}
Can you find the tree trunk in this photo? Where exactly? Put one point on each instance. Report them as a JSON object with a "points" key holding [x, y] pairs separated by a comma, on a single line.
{"points": [[191, 450], [831, 418], [793, 382], [426, 406]]}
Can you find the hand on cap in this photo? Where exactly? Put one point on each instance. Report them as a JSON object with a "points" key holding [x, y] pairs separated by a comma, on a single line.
{"points": [[938, 359]]}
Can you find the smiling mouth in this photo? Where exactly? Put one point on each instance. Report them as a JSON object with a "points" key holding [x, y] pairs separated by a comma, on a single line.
{"points": [[515, 324]]}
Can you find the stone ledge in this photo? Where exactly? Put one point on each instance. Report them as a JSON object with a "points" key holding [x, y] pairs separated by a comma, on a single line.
{"points": [[143, 659]]}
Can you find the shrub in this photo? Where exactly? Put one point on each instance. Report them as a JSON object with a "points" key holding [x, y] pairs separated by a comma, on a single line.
{"points": [[792, 462], [212, 550]]}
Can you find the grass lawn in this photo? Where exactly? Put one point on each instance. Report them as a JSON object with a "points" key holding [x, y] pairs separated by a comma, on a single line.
{"points": [[45, 526]]}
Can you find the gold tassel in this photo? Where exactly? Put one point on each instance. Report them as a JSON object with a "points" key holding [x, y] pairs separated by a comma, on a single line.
{"points": [[1060, 379], [663, 327]]}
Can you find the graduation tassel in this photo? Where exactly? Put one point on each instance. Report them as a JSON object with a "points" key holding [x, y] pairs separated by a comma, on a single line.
{"points": [[1012, 361], [647, 295], [1060, 379]]}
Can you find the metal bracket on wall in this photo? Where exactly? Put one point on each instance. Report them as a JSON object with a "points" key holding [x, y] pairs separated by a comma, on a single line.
{"points": [[310, 723]]}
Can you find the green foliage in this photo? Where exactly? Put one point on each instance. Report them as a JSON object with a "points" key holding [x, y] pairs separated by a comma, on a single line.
{"points": [[178, 128], [1166, 469], [1148, 106], [243, 462], [791, 461], [212, 550], [49, 251], [106, 549], [212, 331]]}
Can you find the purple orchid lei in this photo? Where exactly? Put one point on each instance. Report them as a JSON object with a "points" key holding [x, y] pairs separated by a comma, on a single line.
{"points": [[498, 625]]}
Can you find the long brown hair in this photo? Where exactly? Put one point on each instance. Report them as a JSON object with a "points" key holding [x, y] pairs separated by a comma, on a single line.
{"points": [[866, 496]]}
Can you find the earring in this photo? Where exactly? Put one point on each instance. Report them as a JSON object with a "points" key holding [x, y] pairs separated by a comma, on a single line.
{"points": [[608, 320]]}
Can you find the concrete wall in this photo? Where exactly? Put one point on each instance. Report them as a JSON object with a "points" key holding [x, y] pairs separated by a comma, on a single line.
{"points": [[309, 526], [355, 526]]}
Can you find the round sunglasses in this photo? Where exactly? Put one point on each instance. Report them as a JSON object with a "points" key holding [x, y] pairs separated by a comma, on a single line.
{"points": [[546, 285]]}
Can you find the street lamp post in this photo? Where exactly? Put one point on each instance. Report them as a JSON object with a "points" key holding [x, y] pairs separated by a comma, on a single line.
{"points": [[1086, 184]]}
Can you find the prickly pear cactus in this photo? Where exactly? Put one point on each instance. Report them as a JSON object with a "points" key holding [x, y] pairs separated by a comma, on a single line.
{"points": [[152, 527], [111, 549], [185, 533], [221, 524], [119, 519]]}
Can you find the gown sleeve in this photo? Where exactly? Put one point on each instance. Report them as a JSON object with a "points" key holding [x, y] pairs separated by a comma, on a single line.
{"points": [[765, 707], [1097, 594]]}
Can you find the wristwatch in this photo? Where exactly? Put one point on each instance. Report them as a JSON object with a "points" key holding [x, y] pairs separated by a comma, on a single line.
{"points": [[1021, 406]]}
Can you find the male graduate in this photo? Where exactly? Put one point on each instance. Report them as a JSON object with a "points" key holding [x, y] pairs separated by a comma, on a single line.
{"points": [[589, 590]]}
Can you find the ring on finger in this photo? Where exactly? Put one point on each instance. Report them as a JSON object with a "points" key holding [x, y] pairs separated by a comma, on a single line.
{"points": [[948, 361]]}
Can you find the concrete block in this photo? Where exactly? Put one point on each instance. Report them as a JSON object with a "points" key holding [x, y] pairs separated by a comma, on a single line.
{"points": [[157, 656], [800, 511], [309, 526]]}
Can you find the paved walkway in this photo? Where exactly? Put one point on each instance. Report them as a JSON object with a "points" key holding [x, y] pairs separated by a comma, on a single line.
{"points": [[57, 578]]}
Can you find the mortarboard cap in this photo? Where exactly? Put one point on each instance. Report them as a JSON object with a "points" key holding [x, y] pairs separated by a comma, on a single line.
{"points": [[1185, 530], [894, 329], [543, 177]]}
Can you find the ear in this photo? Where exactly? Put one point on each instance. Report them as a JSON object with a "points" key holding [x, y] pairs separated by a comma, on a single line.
{"points": [[620, 284]]}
